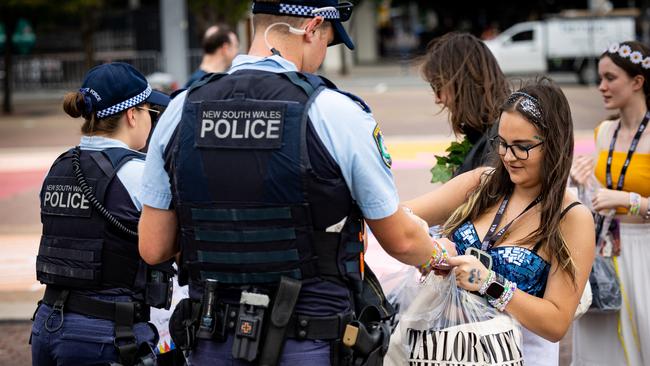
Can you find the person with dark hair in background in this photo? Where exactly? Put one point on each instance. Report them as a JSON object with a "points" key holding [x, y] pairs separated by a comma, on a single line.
{"points": [[467, 81], [264, 179], [623, 170], [220, 46], [519, 221], [96, 303]]}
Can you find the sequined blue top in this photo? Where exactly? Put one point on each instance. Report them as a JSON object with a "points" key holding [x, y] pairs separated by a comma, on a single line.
{"points": [[520, 265]]}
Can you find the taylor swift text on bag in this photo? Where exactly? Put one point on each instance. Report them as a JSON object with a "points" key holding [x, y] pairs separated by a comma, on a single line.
{"points": [[448, 326]]}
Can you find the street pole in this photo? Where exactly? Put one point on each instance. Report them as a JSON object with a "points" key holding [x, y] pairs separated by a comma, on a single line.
{"points": [[173, 14]]}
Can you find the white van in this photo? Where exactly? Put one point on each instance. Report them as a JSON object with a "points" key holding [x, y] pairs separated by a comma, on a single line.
{"points": [[555, 44]]}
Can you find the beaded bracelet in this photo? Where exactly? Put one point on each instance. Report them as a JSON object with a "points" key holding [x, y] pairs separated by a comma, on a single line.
{"points": [[503, 300], [646, 217], [635, 204], [488, 280], [438, 256]]}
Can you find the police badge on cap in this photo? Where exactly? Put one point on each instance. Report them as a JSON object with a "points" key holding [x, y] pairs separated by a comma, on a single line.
{"points": [[330, 10]]}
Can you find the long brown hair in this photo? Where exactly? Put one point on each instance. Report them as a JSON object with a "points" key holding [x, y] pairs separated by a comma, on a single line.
{"points": [[75, 106], [632, 69], [556, 127], [462, 65]]}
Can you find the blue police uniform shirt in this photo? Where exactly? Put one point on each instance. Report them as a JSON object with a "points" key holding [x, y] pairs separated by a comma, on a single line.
{"points": [[343, 127], [130, 174]]}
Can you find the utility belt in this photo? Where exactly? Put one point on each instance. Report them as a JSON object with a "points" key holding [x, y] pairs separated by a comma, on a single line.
{"points": [[259, 332], [123, 314]]}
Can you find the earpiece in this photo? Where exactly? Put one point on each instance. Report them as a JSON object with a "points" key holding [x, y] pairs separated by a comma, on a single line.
{"points": [[297, 31], [292, 30]]}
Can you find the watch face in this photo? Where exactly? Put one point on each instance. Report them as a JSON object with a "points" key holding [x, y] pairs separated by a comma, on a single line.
{"points": [[495, 290]]}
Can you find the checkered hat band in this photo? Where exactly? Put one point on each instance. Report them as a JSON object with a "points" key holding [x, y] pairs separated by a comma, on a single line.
{"points": [[306, 11], [131, 102]]}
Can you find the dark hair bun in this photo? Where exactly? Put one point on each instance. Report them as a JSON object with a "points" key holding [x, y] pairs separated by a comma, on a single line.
{"points": [[73, 103]]}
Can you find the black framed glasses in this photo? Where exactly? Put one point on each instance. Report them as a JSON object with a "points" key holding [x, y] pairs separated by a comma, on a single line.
{"points": [[519, 151]]}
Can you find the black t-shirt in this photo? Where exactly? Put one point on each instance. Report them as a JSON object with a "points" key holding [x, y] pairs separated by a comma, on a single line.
{"points": [[480, 154]]}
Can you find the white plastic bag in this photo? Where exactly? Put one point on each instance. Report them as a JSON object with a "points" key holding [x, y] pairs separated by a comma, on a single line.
{"points": [[401, 288], [446, 325]]}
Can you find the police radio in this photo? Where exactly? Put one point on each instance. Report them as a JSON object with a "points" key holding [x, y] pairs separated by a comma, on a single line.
{"points": [[88, 193]]}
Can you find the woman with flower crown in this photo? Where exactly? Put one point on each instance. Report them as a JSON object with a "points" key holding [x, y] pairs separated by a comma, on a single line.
{"points": [[623, 168]]}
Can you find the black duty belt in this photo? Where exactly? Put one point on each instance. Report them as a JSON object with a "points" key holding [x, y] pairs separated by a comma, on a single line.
{"points": [[303, 327], [92, 307]]}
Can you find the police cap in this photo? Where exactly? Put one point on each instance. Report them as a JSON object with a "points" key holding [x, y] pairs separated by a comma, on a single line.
{"points": [[331, 10], [114, 87]]}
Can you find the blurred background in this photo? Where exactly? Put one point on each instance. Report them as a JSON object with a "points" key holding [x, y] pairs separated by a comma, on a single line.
{"points": [[47, 46]]}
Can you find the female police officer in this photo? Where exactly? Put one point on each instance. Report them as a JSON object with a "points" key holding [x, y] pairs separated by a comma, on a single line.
{"points": [[273, 171], [95, 307]]}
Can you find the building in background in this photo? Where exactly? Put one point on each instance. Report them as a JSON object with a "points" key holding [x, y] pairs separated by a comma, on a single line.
{"points": [[164, 35]]}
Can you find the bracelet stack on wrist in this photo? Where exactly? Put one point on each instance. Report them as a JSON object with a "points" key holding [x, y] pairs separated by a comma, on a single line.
{"points": [[635, 204], [503, 300], [498, 290], [438, 256], [488, 280]]}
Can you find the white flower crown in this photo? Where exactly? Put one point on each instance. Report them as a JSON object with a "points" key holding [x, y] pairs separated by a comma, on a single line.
{"points": [[625, 51]]}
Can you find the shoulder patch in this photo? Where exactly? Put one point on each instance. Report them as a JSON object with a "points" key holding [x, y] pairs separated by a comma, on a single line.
{"points": [[381, 146]]}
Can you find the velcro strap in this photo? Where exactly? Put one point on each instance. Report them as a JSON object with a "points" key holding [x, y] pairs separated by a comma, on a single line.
{"points": [[73, 254], [243, 278], [272, 256], [96, 308], [241, 214], [248, 236], [65, 271]]}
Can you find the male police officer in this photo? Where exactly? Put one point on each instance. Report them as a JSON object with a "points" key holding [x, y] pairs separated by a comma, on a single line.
{"points": [[269, 172]]}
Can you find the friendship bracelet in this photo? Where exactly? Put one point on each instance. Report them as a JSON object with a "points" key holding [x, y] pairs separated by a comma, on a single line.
{"points": [[635, 204], [439, 255], [508, 292], [488, 280]]}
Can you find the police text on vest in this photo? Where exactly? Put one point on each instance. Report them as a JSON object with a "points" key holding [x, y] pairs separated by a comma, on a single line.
{"points": [[240, 125]]}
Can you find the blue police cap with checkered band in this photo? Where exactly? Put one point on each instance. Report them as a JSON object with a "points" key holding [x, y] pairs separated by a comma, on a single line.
{"points": [[114, 87], [305, 8]]}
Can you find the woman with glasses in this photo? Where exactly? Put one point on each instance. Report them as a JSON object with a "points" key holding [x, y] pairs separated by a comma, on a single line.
{"points": [[467, 81], [623, 171], [96, 304], [510, 230]]}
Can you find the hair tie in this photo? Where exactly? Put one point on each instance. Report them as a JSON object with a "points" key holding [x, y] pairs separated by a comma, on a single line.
{"points": [[87, 109]]}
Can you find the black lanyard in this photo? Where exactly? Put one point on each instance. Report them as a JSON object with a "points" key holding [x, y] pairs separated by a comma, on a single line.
{"points": [[635, 142], [490, 237]]}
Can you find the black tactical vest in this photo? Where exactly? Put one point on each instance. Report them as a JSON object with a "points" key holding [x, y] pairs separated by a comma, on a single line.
{"points": [[79, 249], [256, 191]]}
